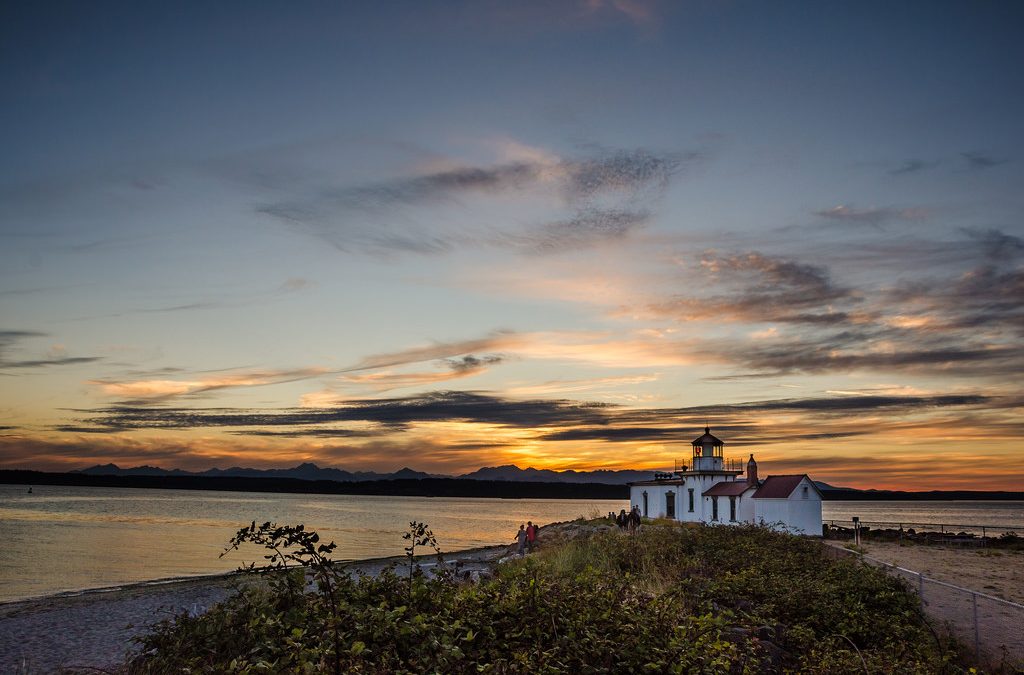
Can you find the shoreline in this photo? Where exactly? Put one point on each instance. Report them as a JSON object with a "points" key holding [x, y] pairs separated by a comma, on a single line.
{"points": [[212, 576], [93, 628]]}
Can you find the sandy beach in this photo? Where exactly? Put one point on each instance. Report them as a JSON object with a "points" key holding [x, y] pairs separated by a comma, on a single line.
{"points": [[94, 629], [995, 572]]}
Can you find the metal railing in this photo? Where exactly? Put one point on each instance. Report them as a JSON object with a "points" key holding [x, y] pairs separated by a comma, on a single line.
{"points": [[993, 626], [728, 464]]}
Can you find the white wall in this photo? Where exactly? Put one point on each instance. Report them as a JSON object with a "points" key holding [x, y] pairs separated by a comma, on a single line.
{"points": [[745, 507], [655, 499], [772, 512], [796, 514]]}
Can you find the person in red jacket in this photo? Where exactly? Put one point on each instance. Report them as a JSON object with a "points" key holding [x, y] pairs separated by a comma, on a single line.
{"points": [[531, 535]]}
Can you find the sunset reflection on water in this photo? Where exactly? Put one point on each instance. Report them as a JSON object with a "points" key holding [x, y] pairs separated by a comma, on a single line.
{"points": [[71, 538]]}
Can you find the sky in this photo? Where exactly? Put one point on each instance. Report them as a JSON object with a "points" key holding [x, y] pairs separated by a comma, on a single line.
{"points": [[565, 235]]}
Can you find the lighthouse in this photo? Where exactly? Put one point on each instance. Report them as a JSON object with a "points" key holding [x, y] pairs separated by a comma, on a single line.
{"points": [[708, 489]]}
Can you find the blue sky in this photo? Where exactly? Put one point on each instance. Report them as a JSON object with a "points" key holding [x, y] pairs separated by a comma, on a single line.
{"points": [[800, 222]]}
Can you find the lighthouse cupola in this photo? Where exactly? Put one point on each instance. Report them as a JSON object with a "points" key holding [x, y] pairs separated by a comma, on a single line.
{"points": [[707, 452]]}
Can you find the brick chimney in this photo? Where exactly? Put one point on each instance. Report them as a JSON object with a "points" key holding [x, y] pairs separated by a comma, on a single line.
{"points": [[751, 471]]}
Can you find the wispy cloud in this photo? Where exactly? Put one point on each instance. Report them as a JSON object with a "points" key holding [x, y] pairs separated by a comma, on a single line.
{"points": [[605, 195], [981, 160], [875, 216], [55, 356], [762, 289], [585, 229], [913, 166], [453, 369], [156, 390]]}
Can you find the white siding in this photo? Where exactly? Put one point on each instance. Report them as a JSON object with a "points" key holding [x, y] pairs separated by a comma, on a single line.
{"points": [[656, 498], [796, 514]]}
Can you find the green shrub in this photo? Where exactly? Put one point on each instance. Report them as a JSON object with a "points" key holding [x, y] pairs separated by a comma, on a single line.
{"points": [[669, 599]]}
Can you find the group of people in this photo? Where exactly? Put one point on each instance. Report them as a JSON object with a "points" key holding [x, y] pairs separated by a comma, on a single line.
{"points": [[626, 521], [526, 537]]}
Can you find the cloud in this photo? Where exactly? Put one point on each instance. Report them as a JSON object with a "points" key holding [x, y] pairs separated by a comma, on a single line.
{"points": [[156, 390], [603, 195], [996, 244], [497, 341], [872, 216], [396, 413], [770, 315], [585, 229], [980, 160], [913, 166], [473, 364], [294, 284], [766, 288], [851, 351], [629, 173], [570, 419], [640, 12], [55, 357], [455, 369]]}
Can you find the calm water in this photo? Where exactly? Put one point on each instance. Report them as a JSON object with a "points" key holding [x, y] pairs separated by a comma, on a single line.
{"points": [[996, 514], [72, 538]]}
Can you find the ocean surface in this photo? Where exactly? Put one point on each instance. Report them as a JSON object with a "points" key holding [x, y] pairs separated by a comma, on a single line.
{"points": [[61, 539]]}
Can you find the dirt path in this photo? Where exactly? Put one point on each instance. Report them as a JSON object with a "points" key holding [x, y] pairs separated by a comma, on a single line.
{"points": [[94, 629]]}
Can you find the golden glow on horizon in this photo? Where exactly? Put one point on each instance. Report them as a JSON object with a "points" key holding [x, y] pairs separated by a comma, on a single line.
{"points": [[891, 459]]}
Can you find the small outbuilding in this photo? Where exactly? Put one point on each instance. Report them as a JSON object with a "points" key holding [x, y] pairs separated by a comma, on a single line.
{"points": [[717, 491]]}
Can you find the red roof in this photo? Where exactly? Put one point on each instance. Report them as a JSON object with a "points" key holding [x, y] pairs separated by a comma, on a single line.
{"points": [[727, 488], [780, 487]]}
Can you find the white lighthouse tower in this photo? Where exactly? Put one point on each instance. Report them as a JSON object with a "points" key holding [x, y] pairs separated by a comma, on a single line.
{"points": [[707, 452]]}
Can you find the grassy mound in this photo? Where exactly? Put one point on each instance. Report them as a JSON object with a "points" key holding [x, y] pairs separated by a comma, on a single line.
{"points": [[669, 599]]}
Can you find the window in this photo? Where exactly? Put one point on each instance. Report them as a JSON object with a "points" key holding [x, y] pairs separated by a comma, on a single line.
{"points": [[804, 493], [714, 508], [691, 499], [670, 505], [645, 504], [732, 509]]}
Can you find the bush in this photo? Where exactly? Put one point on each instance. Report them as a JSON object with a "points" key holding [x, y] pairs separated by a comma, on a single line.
{"points": [[669, 599]]}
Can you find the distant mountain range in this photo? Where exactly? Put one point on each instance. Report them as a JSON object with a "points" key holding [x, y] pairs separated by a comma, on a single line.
{"points": [[310, 471], [510, 472], [307, 471], [509, 482]]}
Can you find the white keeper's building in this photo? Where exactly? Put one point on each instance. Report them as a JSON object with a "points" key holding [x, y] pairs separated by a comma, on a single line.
{"points": [[715, 491]]}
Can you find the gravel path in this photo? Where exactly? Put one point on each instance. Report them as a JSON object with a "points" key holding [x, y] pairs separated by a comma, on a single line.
{"points": [[94, 629]]}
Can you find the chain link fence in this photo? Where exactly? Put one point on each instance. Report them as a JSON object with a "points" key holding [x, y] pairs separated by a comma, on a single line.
{"points": [[992, 626]]}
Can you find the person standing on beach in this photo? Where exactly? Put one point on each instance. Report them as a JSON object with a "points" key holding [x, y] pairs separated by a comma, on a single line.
{"points": [[531, 536], [521, 539]]}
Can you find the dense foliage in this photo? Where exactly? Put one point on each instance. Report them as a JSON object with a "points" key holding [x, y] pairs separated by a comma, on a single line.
{"points": [[669, 599]]}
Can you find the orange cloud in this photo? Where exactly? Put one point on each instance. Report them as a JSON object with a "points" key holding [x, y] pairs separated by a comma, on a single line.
{"points": [[157, 389]]}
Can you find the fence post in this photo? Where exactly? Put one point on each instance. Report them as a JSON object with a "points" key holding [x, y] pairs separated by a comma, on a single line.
{"points": [[920, 586], [977, 640]]}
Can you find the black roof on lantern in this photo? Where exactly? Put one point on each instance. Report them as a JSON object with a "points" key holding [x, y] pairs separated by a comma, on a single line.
{"points": [[708, 437]]}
